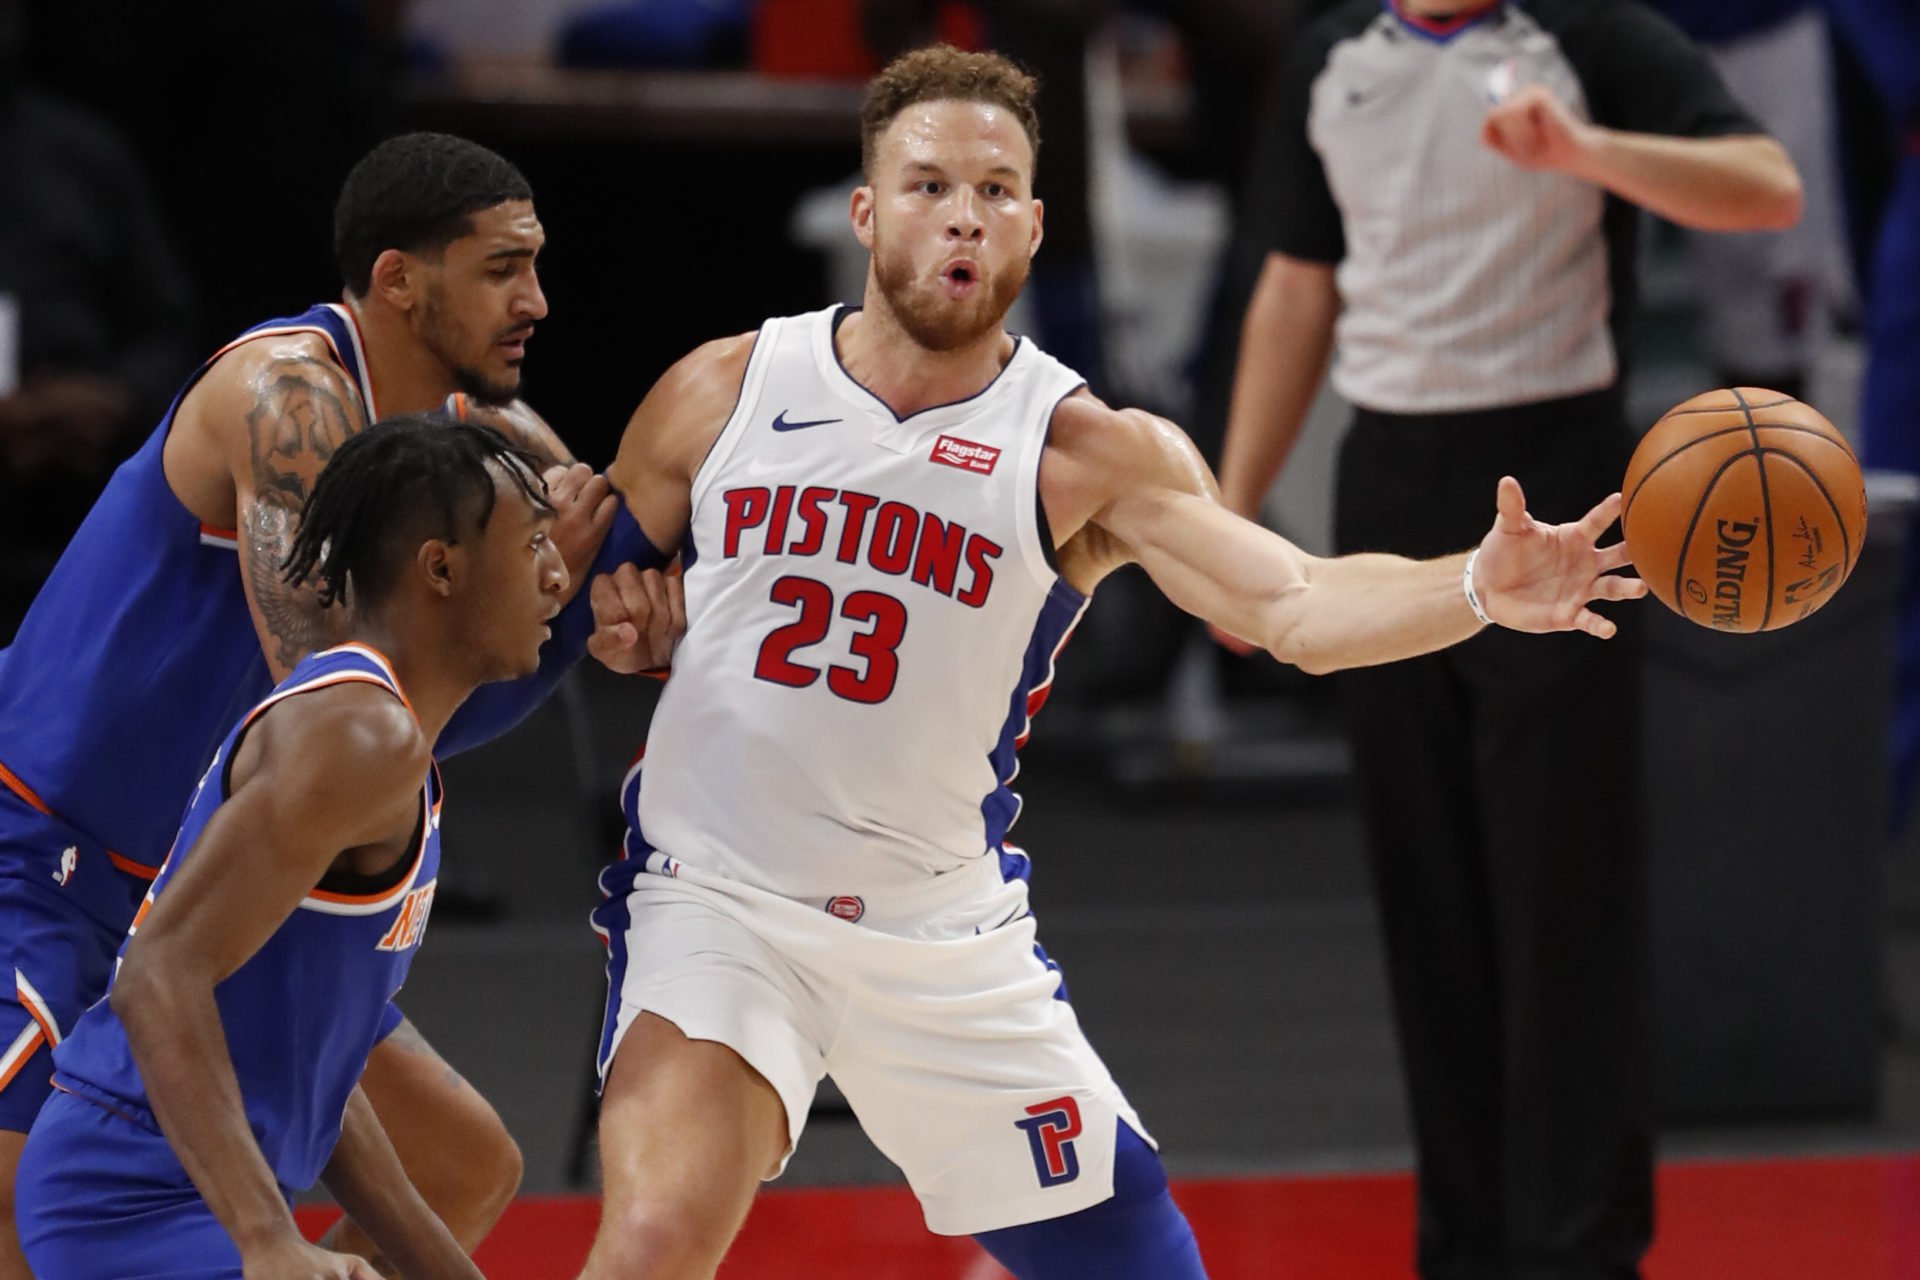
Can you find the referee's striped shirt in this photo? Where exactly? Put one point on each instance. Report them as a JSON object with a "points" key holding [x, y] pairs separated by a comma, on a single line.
{"points": [[1466, 281]]}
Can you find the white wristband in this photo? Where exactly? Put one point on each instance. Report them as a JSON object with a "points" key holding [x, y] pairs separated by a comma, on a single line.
{"points": [[1466, 584]]}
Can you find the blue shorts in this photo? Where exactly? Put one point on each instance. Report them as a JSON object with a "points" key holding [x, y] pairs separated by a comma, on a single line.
{"points": [[102, 1197], [64, 909]]}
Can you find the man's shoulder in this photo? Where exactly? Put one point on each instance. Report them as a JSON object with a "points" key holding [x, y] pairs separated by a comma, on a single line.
{"points": [[711, 372], [355, 734], [303, 351], [1088, 430]]}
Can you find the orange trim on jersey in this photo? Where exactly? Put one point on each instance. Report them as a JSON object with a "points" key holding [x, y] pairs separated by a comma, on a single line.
{"points": [[11, 780], [365, 382], [36, 1006], [324, 682], [460, 406], [386, 665], [400, 890], [281, 331], [132, 868], [360, 354], [25, 1049]]}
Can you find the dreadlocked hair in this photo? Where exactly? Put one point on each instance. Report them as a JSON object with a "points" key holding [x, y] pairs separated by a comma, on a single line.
{"points": [[391, 487]]}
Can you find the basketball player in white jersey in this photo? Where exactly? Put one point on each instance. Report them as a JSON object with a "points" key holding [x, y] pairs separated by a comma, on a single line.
{"points": [[890, 517]]}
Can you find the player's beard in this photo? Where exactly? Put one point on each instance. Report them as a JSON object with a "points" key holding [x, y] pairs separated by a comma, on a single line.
{"points": [[935, 321], [443, 337]]}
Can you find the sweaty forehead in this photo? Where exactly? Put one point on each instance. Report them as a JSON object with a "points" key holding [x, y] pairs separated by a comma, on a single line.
{"points": [[510, 225], [950, 131]]}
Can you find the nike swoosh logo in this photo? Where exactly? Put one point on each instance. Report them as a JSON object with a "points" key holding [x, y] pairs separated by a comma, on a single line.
{"points": [[781, 424]]}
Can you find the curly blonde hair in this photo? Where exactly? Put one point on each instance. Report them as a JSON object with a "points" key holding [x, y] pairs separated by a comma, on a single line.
{"points": [[940, 73]]}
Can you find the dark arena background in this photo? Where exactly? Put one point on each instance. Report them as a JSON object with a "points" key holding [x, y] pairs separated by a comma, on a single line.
{"points": [[1200, 865]]}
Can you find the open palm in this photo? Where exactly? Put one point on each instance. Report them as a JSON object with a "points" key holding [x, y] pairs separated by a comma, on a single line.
{"points": [[1541, 577]]}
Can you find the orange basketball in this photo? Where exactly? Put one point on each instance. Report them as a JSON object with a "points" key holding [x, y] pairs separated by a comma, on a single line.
{"points": [[1743, 510]]}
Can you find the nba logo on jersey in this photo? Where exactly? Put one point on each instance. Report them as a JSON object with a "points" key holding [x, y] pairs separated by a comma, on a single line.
{"points": [[1051, 1128]]}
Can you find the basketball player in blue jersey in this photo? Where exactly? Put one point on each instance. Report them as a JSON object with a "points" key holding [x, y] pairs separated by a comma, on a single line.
{"points": [[166, 617], [891, 517], [221, 1074]]}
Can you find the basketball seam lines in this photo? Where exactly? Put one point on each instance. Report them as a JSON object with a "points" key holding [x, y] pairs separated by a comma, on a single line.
{"points": [[1840, 521], [1693, 523], [1771, 404], [1766, 504], [1677, 450]]}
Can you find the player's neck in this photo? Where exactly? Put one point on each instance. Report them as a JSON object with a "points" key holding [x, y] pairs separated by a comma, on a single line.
{"points": [[881, 356], [406, 377]]}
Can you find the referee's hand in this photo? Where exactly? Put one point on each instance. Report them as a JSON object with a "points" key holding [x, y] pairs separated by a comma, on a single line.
{"points": [[1534, 130]]}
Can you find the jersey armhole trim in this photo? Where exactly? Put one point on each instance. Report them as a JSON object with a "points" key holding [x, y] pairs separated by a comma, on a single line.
{"points": [[1036, 532]]}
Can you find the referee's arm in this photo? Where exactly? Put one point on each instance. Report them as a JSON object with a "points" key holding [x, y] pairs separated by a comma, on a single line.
{"points": [[1284, 345], [1665, 134], [1738, 183], [1287, 334]]}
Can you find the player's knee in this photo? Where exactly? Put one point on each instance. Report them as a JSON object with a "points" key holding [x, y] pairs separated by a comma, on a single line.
{"points": [[657, 1239], [474, 1179]]}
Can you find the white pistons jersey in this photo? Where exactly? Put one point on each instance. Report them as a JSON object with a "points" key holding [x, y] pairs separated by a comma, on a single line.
{"points": [[872, 616]]}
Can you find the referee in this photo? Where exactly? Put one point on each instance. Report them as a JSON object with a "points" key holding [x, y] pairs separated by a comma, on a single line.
{"points": [[1446, 193]]}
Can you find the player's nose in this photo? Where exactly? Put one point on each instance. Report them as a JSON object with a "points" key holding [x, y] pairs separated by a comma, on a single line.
{"points": [[963, 221], [533, 301], [554, 578]]}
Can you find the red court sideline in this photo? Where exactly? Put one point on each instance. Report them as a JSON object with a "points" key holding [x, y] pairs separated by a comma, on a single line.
{"points": [[1816, 1219]]}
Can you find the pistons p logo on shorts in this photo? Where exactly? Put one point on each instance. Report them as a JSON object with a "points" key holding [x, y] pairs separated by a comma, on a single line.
{"points": [[1051, 1128]]}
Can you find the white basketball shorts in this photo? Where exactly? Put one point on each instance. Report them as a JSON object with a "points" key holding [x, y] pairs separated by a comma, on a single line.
{"points": [[934, 1011]]}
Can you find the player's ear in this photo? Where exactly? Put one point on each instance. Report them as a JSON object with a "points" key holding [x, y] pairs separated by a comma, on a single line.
{"points": [[1039, 216], [438, 564], [861, 210], [396, 278]]}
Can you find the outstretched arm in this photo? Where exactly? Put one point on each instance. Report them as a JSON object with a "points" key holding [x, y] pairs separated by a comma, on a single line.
{"points": [[1136, 490]]}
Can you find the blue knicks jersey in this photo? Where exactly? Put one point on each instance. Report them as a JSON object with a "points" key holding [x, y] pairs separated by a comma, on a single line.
{"points": [[138, 653], [301, 1015]]}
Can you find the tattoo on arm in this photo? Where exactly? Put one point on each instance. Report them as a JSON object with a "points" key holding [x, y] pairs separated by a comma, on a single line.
{"points": [[544, 445], [523, 425], [303, 411]]}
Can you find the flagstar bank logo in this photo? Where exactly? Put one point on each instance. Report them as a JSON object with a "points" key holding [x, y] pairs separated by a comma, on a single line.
{"points": [[965, 454]]}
